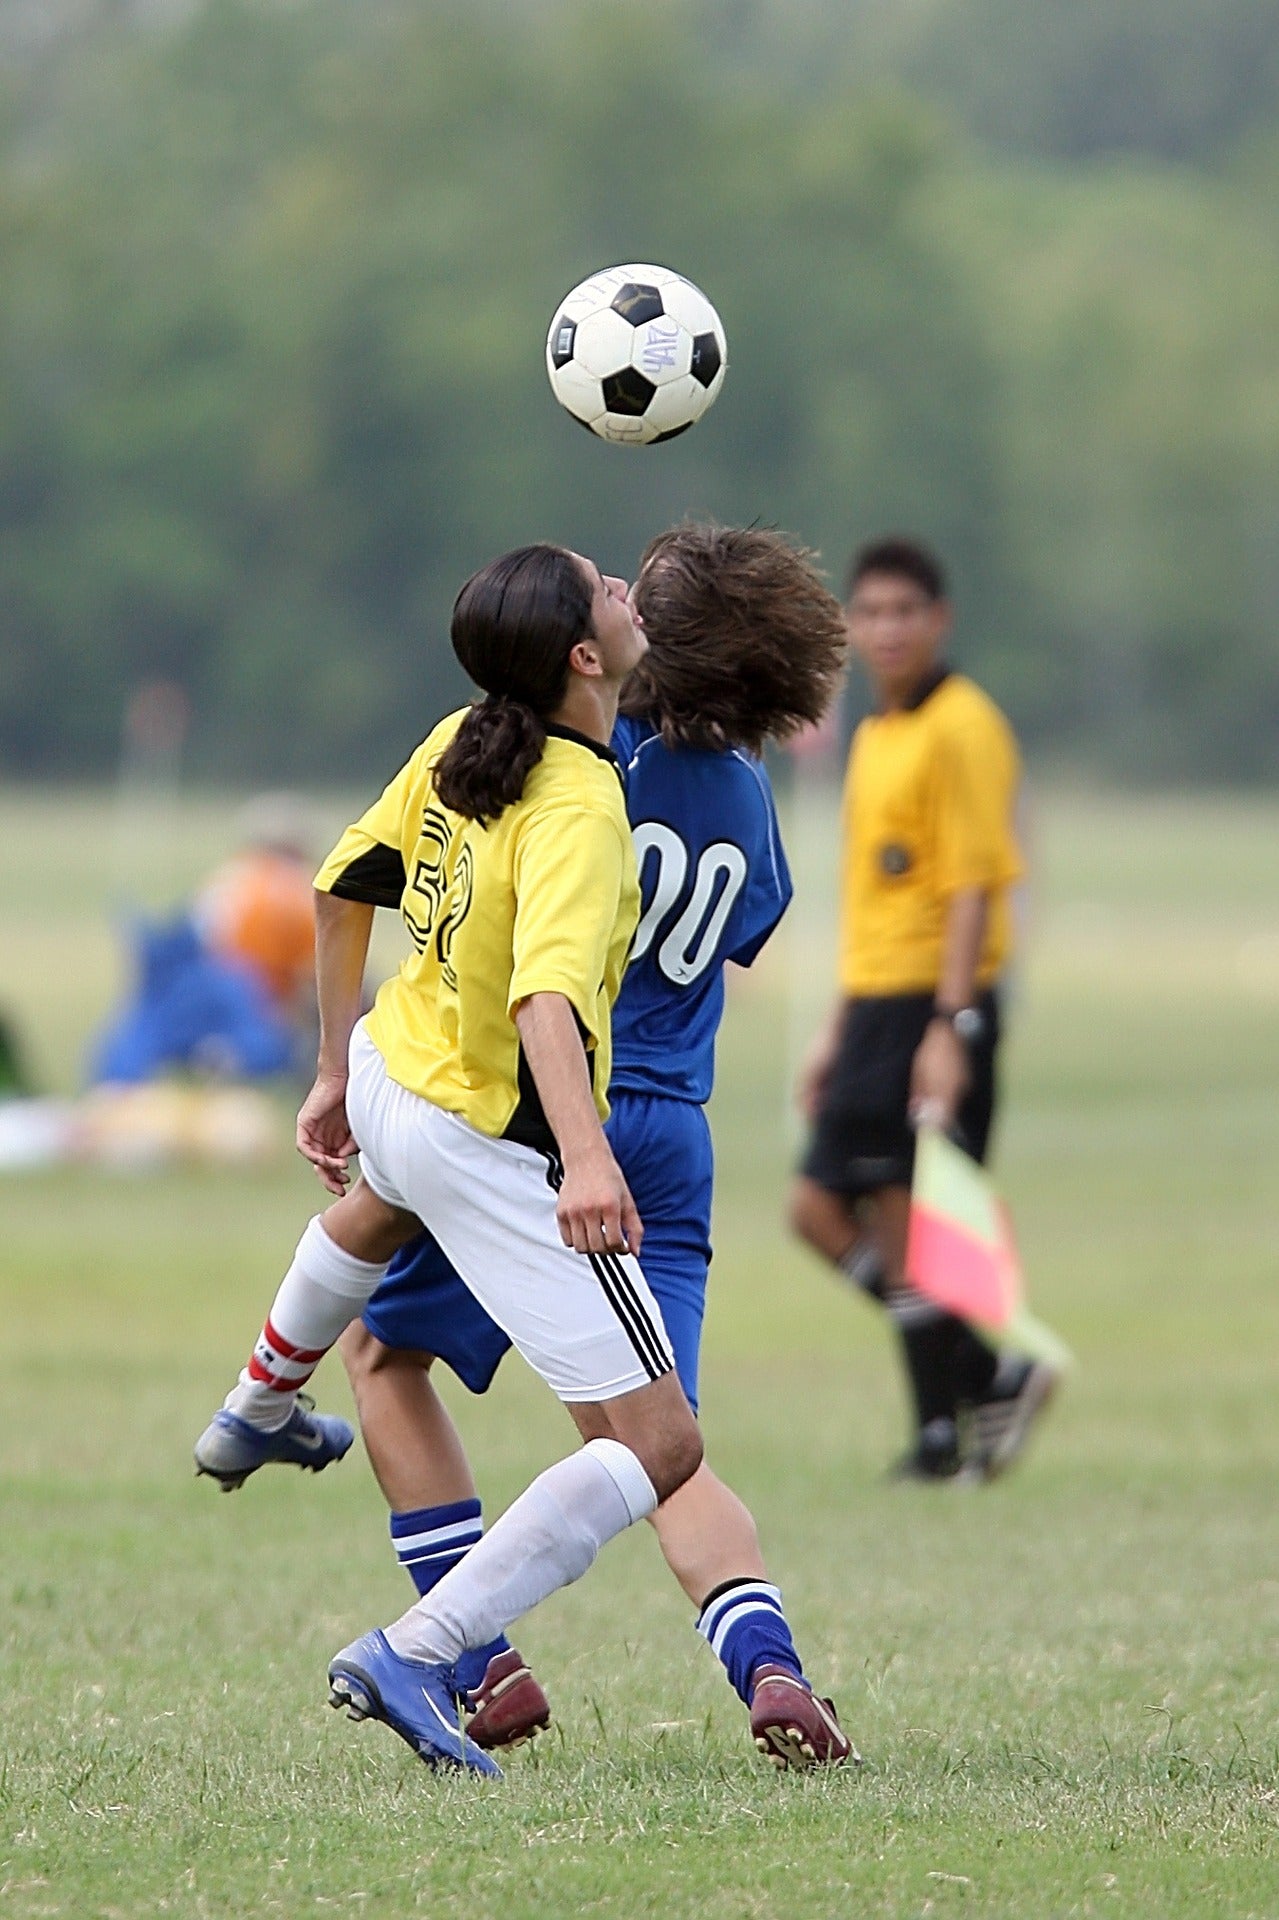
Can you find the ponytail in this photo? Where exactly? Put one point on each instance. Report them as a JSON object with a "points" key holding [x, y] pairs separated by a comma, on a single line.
{"points": [[515, 623], [483, 769]]}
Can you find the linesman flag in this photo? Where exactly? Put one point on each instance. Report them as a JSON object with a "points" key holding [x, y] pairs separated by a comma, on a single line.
{"points": [[961, 1253]]}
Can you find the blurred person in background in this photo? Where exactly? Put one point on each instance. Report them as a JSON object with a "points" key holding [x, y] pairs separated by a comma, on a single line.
{"points": [[930, 855], [226, 985], [257, 909]]}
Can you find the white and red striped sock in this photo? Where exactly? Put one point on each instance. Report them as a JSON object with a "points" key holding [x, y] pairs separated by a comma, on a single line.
{"points": [[319, 1296]]}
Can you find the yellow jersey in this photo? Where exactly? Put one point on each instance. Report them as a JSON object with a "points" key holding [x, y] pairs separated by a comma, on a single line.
{"points": [[544, 899], [929, 802]]}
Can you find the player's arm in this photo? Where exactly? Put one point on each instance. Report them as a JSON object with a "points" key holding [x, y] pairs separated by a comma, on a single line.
{"points": [[595, 1210], [364, 871], [940, 1071], [569, 869], [342, 929], [973, 857]]}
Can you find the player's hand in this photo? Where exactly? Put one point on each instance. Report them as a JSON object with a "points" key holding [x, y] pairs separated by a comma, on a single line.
{"points": [[939, 1076], [595, 1211], [324, 1134]]}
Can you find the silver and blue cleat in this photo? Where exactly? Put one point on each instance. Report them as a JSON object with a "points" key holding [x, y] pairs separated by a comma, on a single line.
{"points": [[415, 1699], [229, 1449]]}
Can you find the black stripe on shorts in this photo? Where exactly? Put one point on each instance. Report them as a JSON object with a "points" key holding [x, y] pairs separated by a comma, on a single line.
{"points": [[652, 1332], [620, 1293]]}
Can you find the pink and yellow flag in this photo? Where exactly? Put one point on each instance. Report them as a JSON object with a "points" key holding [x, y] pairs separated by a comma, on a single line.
{"points": [[960, 1249]]}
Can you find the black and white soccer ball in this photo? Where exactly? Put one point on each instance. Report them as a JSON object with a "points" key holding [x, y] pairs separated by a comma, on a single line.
{"points": [[637, 354]]}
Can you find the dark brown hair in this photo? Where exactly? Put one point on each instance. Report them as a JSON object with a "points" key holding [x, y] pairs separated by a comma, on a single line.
{"points": [[745, 642], [901, 558], [515, 623]]}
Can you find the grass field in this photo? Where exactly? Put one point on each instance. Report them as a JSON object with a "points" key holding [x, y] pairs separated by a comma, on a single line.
{"points": [[1065, 1686]]}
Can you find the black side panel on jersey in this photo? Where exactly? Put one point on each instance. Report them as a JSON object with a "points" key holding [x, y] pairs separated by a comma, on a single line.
{"points": [[377, 878], [528, 1126]]}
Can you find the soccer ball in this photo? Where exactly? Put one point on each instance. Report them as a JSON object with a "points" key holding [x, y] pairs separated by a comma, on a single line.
{"points": [[636, 354]]}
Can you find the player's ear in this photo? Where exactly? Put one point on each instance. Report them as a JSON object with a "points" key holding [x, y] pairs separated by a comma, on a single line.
{"points": [[584, 658]]}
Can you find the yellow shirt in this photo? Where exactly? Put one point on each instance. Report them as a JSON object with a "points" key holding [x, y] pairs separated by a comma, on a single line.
{"points": [[929, 800], [543, 900]]}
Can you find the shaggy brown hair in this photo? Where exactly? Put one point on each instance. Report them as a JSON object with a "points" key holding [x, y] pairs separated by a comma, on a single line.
{"points": [[745, 644]]}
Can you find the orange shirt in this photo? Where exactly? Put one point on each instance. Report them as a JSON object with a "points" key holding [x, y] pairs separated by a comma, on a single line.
{"points": [[259, 909]]}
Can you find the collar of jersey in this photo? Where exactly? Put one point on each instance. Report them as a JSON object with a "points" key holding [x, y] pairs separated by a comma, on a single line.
{"points": [[924, 691], [555, 731]]}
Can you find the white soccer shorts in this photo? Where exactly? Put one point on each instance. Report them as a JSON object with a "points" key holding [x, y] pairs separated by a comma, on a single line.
{"points": [[586, 1322]]}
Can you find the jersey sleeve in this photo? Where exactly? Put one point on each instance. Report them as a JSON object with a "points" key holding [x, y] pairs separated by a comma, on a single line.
{"points": [[768, 892], [976, 841], [367, 863], [569, 871]]}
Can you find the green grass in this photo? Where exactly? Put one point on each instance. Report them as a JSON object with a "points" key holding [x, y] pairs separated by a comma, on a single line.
{"points": [[1065, 1686]]}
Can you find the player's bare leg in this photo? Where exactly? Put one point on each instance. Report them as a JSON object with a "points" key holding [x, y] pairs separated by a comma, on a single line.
{"points": [[866, 1241], [655, 1423], [826, 1221], [414, 1449], [708, 1536]]}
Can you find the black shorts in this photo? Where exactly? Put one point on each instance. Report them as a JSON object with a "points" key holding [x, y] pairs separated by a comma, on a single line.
{"points": [[863, 1138]]}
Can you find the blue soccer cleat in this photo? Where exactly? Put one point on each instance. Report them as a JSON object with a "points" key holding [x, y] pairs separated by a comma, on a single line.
{"points": [[416, 1700], [229, 1449]]}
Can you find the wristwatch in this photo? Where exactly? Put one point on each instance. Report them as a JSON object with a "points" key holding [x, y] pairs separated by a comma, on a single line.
{"points": [[969, 1023]]}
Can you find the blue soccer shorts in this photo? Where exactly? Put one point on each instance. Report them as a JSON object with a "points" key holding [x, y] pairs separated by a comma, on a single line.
{"points": [[664, 1150]]}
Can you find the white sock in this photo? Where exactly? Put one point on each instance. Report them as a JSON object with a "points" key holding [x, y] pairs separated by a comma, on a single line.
{"points": [[319, 1296], [546, 1540]]}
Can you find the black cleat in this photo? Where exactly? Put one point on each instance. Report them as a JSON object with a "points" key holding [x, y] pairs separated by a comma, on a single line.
{"points": [[934, 1456], [1003, 1417]]}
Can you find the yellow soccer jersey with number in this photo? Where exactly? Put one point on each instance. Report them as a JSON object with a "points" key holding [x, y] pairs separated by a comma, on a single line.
{"points": [[544, 899], [929, 803]]}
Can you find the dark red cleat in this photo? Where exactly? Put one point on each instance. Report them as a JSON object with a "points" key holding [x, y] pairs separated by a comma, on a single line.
{"points": [[792, 1727], [508, 1707]]}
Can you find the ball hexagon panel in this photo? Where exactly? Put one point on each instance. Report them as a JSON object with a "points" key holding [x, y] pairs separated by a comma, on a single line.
{"points": [[602, 343], [662, 351], [676, 405], [624, 430], [578, 391], [687, 304]]}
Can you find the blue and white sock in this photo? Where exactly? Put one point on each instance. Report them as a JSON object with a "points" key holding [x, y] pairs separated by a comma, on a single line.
{"points": [[429, 1542], [743, 1623]]}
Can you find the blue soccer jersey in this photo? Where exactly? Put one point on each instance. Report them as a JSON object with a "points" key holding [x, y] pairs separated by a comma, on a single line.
{"points": [[714, 884]]}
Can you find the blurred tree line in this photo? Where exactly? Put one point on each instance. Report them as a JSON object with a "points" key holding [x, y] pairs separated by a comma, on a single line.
{"points": [[277, 278]]}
